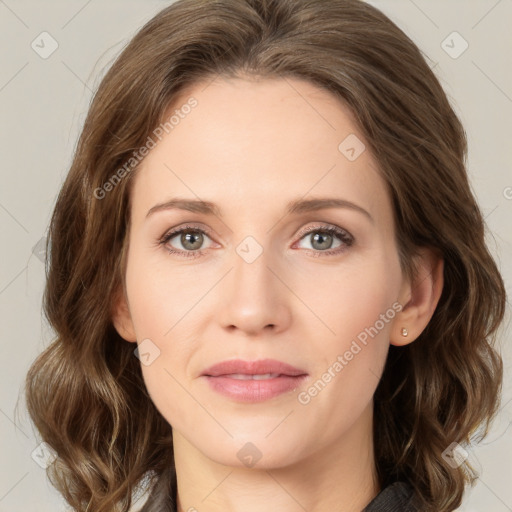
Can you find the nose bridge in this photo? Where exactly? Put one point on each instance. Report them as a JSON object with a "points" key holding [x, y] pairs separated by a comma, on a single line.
{"points": [[251, 275], [254, 296]]}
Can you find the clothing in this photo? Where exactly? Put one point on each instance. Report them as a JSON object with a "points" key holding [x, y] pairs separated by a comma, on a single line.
{"points": [[396, 497]]}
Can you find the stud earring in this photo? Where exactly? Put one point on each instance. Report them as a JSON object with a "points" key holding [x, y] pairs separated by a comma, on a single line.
{"points": [[404, 332]]}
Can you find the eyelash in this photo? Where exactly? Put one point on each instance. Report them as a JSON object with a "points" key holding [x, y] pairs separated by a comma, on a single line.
{"points": [[342, 235]]}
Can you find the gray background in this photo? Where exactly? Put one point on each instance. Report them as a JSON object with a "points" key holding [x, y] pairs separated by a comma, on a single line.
{"points": [[43, 104]]}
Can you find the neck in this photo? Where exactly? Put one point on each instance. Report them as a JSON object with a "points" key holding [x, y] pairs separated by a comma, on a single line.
{"points": [[340, 476]]}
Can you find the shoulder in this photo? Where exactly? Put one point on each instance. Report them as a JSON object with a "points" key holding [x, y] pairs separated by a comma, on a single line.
{"points": [[396, 497]]}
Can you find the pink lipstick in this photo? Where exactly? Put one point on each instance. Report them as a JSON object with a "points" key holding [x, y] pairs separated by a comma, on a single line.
{"points": [[253, 381]]}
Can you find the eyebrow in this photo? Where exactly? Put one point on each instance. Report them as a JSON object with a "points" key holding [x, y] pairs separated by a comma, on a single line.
{"points": [[296, 206]]}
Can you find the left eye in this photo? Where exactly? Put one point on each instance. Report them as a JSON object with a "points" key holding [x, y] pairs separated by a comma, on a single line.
{"points": [[321, 240]]}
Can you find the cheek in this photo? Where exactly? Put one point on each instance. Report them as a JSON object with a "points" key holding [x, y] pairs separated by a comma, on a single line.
{"points": [[359, 305], [159, 303], [349, 299], [156, 294]]}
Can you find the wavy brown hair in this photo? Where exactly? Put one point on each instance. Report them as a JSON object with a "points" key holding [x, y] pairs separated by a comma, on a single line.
{"points": [[85, 392]]}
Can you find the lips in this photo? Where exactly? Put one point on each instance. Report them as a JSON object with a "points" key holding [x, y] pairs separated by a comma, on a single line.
{"points": [[253, 381], [237, 368]]}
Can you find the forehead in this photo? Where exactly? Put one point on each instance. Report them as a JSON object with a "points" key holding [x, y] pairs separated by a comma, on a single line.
{"points": [[249, 143]]}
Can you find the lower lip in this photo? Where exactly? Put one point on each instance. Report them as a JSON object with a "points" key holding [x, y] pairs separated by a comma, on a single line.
{"points": [[254, 390]]}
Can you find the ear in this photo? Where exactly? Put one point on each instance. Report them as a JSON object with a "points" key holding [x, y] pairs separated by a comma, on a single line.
{"points": [[419, 298], [121, 317]]}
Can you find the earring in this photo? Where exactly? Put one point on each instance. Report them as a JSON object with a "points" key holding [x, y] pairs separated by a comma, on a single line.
{"points": [[404, 332]]}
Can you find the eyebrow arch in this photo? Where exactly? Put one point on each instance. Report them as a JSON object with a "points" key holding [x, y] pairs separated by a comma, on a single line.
{"points": [[293, 207]]}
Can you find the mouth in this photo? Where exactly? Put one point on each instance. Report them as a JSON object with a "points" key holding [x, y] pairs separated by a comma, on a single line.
{"points": [[253, 381], [261, 369], [243, 376]]}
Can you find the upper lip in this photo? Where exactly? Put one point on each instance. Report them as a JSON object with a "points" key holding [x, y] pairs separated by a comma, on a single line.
{"points": [[260, 367]]}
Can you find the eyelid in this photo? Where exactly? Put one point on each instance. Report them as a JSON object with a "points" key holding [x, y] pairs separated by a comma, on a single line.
{"points": [[326, 227], [178, 229]]}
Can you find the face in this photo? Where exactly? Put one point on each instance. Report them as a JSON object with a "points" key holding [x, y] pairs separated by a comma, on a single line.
{"points": [[255, 281]]}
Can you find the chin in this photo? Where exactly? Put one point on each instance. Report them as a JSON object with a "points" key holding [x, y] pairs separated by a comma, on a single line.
{"points": [[258, 451]]}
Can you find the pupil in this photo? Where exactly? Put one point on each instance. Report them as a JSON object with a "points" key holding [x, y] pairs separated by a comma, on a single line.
{"points": [[322, 238], [187, 237]]}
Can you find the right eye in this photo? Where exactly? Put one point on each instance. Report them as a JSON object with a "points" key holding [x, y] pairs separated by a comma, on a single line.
{"points": [[190, 238]]}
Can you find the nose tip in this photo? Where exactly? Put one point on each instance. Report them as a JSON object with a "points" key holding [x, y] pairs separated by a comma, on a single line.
{"points": [[255, 299]]}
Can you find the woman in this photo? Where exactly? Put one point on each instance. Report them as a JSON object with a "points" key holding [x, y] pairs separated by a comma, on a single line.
{"points": [[267, 273]]}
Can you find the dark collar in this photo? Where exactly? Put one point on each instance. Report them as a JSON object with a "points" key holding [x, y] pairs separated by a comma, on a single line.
{"points": [[396, 497]]}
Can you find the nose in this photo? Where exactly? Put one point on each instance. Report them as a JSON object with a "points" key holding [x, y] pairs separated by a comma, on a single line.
{"points": [[255, 298]]}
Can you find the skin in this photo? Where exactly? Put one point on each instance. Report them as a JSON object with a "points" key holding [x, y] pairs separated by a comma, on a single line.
{"points": [[250, 146]]}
